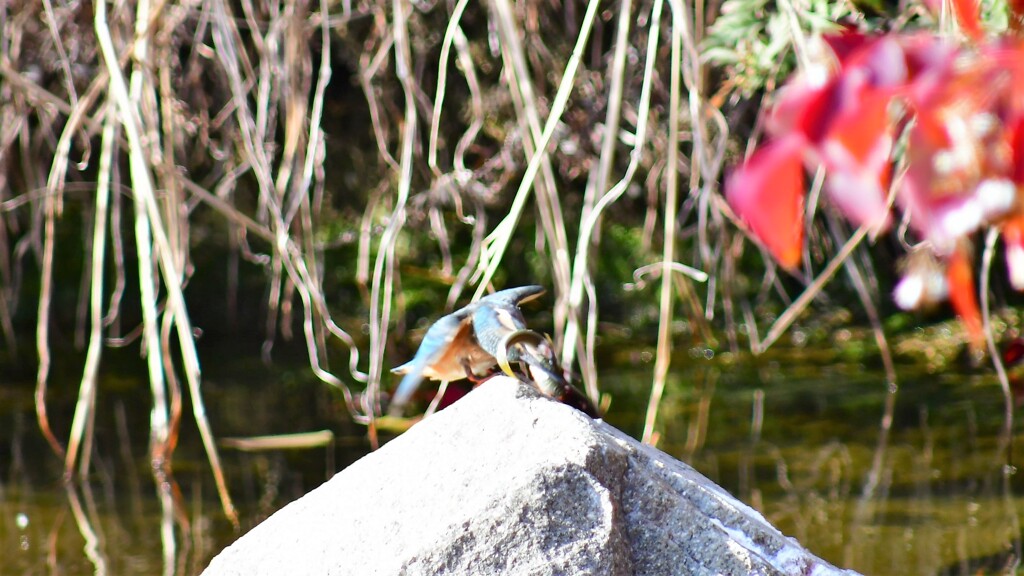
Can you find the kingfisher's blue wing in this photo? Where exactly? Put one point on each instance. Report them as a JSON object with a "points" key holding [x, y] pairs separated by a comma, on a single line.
{"points": [[432, 348]]}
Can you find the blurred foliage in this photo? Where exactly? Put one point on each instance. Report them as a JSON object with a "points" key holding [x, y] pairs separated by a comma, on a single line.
{"points": [[752, 39]]}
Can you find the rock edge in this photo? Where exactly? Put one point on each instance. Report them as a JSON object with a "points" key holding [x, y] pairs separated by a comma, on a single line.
{"points": [[508, 482]]}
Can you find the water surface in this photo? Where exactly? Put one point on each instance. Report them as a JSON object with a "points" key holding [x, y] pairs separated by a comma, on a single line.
{"points": [[797, 434]]}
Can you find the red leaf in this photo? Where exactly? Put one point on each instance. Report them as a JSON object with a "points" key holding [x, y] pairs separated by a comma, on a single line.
{"points": [[856, 152], [963, 298], [967, 15], [767, 192], [849, 42], [1016, 140], [966, 12], [802, 107], [1016, 14], [862, 132], [930, 63], [1014, 352], [880, 64]]}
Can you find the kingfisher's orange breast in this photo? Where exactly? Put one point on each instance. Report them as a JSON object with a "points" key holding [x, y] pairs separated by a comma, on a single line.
{"points": [[462, 350]]}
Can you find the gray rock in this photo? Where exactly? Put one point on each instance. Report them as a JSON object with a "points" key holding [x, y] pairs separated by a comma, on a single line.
{"points": [[508, 482]]}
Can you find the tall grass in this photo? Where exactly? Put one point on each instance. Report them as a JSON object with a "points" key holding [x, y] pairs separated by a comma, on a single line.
{"points": [[494, 131]]}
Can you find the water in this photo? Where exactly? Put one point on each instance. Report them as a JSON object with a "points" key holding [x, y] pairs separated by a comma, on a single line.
{"points": [[796, 433], [933, 496]]}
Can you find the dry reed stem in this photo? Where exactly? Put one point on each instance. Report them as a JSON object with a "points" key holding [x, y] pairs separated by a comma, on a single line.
{"points": [[873, 476], [87, 389], [783, 322], [52, 205], [312, 171], [297, 441], [442, 82], [368, 69], [685, 62], [476, 103], [119, 93], [312, 299], [461, 177], [588, 227], [1003, 456], [148, 221], [161, 418], [497, 241], [87, 522], [597, 184], [531, 133], [382, 281], [43, 328], [663, 355], [867, 300]]}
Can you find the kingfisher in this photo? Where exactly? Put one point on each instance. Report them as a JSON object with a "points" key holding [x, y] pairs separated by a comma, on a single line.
{"points": [[471, 341], [450, 350]]}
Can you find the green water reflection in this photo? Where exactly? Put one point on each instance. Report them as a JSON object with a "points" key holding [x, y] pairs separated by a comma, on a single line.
{"points": [[796, 434]]}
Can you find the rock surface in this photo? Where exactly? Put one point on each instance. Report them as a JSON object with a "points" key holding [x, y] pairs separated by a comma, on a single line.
{"points": [[507, 482]]}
